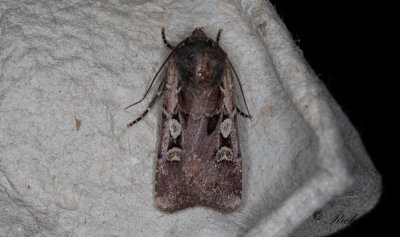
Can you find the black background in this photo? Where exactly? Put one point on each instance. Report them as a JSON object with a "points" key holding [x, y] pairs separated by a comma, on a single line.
{"points": [[350, 45]]}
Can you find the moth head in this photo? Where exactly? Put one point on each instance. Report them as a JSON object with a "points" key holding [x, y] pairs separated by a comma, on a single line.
{"points": [[201, 61], [198, 33]]}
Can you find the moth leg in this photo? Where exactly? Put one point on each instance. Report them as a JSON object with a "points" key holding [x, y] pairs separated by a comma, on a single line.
{"points": [[242, 113], [165, 40], [159, 92], [219, 35]]}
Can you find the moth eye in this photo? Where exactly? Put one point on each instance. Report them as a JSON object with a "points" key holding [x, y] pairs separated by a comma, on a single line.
{"points": [[224, 154], [226, 127], [175, 128], [174, 154]]}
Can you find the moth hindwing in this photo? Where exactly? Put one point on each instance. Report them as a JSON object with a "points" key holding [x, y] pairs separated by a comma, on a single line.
{"points": [[199, 159]]}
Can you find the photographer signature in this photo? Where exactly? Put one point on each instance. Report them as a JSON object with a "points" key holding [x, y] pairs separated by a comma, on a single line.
{"points": [[336, 218]]}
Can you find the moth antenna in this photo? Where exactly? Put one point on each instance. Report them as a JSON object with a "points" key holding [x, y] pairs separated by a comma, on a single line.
{"points": [[158, 94], [219, 35], [165, 40], [152, 81], [159, 70], [241, 89], [242, 113]]}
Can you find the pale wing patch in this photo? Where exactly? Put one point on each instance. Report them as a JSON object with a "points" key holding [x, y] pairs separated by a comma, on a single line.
{"points": [[174, 154], [226, 127], [175, 128], [224, 154]]}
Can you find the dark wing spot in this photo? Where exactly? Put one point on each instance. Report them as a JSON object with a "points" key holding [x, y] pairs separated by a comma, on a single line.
{"points": [[212, 123]]}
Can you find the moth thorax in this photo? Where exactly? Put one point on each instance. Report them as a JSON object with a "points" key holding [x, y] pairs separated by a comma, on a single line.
{"points": [[224, 154], [174, 154], [203, 70]]}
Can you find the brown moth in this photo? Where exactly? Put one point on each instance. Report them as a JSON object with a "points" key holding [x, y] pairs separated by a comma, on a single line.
{"points": [[199, 159]]}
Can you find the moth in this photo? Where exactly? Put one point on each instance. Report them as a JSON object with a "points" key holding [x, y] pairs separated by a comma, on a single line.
{"points": [[199, 160]]}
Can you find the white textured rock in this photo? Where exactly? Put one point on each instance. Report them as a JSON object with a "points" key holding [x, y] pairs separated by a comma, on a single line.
{"points": [[65, 60]]}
